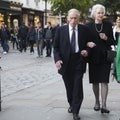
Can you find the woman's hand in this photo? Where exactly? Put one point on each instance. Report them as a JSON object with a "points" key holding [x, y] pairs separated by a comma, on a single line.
{"points": [[91, 44], [103, 36]]}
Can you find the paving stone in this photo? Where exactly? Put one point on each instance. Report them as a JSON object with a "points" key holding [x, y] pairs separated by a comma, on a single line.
{"points": [[32, 89]]}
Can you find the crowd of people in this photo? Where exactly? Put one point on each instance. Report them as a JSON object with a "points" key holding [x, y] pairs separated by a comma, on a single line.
{"points": [[24, 36], [74, 46]]}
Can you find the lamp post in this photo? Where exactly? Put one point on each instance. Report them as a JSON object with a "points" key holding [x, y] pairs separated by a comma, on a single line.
{"points": [[45, 11]]}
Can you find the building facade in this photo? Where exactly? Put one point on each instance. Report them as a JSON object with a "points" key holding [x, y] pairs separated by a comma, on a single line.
{"points": [[10, 14], [14, 12]]}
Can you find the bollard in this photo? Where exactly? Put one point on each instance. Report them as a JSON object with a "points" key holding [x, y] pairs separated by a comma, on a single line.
{"points": [[0, 87]]}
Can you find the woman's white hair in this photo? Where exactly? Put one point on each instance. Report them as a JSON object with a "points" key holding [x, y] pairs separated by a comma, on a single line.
{"points": [[75, 11], [95, 7]]}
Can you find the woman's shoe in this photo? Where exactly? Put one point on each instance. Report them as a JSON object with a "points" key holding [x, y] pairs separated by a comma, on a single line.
{"points": [[97, 108], [103, 110]]}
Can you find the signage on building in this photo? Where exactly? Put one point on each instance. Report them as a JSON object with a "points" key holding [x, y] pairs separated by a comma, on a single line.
{"points": [[16, 5], [15, 8], [32, 12]]}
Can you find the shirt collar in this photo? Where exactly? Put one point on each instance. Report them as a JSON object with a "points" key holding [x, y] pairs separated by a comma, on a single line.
{"points": [[71, 28]]}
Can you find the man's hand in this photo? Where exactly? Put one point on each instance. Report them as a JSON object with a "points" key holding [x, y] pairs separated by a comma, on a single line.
{"points": [[84, 53], [59, 64]]}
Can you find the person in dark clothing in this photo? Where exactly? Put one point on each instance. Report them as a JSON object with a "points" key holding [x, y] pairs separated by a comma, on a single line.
{"points": [[116, 30], [22, 34], [48, 39], [54, 31], [14, 37], [99, 67], [70, 51], [4, 36], [39, 39], [31, 37]]}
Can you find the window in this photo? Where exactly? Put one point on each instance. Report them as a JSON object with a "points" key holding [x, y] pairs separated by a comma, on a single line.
{"points": [[36, 1], [1, 19]]}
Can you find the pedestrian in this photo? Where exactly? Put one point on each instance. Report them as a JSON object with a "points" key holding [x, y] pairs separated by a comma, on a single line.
{"points": [[116, 29], [31, 37], [48, 39], [39, 39], [15, 37], [4, 37], [22, 35], [99, 67], [116, 32], [54, 30], [70, 60], [118, 61]]}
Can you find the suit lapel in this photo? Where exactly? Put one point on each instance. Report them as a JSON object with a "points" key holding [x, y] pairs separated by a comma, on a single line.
{"points": [[81, 38], [79, 35], [66, 34]]}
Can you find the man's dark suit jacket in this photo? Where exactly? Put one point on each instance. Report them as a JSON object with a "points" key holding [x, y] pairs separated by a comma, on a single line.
{"points": [[62, 45]]}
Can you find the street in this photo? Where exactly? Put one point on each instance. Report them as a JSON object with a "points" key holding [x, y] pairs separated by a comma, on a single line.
{"points": [[31, 89]]}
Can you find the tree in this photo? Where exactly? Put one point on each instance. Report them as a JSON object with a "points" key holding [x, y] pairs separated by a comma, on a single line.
{"points": [[62, 6], [112, 7]]}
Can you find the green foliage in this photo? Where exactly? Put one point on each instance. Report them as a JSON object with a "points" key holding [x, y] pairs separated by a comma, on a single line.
{"points": [[62, 6], [112, 6]]}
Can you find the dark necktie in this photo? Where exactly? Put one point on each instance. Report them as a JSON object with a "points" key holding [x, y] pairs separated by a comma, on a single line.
{"points": [[73, 41]]}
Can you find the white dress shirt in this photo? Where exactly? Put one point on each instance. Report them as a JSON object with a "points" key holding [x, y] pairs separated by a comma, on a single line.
{"points": [[76, 37]]}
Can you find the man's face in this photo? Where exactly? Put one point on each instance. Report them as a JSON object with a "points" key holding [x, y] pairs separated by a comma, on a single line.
{"points": [[3, 25], [48, 25], [39, 24], [73, 19]]}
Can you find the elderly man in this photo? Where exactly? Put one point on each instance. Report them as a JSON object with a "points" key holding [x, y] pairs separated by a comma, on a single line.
{"points": [[70, 51]]}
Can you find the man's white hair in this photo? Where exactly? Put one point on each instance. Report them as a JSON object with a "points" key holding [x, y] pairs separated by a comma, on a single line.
{"points": [[95, 7], [75, 11]]}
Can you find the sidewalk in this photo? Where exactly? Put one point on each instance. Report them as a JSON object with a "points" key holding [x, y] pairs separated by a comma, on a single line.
{"points": [[32, 90]]}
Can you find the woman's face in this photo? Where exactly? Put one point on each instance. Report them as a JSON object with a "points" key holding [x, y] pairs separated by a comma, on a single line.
{"points": [[118, 23], [99, 14]]}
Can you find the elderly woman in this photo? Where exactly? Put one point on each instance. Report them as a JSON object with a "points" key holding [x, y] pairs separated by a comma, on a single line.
{"points": [[99, 67]]}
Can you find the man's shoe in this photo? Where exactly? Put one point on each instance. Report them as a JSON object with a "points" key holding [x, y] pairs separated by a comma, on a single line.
{"points": [[20, 50], [76, 116], [70, 110]]}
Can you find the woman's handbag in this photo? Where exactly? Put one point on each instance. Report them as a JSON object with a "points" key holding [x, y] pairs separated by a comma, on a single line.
{"points": [[111, 55]]}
